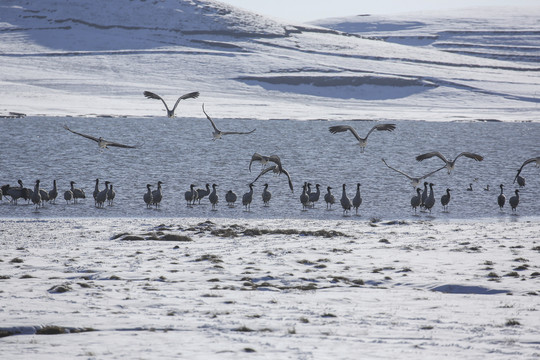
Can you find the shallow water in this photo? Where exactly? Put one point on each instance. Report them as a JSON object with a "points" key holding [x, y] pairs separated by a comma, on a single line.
{"points": [[181, 151]]}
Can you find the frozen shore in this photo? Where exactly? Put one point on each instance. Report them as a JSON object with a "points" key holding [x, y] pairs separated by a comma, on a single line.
{"points": [[197, 288]]}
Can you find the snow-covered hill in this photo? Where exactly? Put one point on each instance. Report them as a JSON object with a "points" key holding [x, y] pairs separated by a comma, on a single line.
{"points": [[96, 58], [507, 33]]}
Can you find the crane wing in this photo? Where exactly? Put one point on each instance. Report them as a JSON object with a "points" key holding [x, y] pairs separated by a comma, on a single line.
{"points": [[433, 172], [288, 178], [257, 157], [237, 132], [275, 159], [470, 156], [430, 155], [151, 95], [264, 171], [112, 143], [83, 135], [399, 171], [382, 127], [191, 95], [210, 119], [343, 128]]}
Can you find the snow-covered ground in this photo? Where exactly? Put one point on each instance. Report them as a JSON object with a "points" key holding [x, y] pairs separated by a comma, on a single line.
{"points": [[198, 289], [505, 33], [196, 285]]}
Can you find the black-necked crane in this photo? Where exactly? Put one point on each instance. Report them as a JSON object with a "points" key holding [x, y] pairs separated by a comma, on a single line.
{"points": [[520, 179], [102, 143], [213, 197], [217, 133], [329, 198], [170, 112], [445, 199], [357, 199], [362, 142], [501, 199], [277, 168], [148, 196], [415, 181], [416, 200], [514, 200], [266, 195], [345, 201], [157, 195], [449, 163], [430, 201], [248, 197], [230, 198]]}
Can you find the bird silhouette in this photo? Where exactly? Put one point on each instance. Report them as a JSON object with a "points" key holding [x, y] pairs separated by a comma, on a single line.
{"points": [[521, 180], [501, 199], [514, 200], [345, 201], [217, 133], [277, 169], [362, 142], [449, 164], [170, 113], [415, 181], [445, 199], [102, 143]]}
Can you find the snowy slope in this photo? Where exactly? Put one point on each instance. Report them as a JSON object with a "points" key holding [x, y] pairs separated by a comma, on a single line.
{"points": [[507, 33], [96, 58]]}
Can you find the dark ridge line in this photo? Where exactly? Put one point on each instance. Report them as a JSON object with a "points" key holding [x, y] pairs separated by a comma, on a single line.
{"points": [[184, 32], [287, 30], [491, 32], [481, 91], [105, 27], [524, 58], [236, 34], [525, 48], [113, 52], [311, 69], [34, 16], [221, 44], [381, 58], [436, 35], [418, 37], [38, 28]]}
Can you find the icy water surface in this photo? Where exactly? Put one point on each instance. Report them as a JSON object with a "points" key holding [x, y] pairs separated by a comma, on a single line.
{"points": [[180, 151]]}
